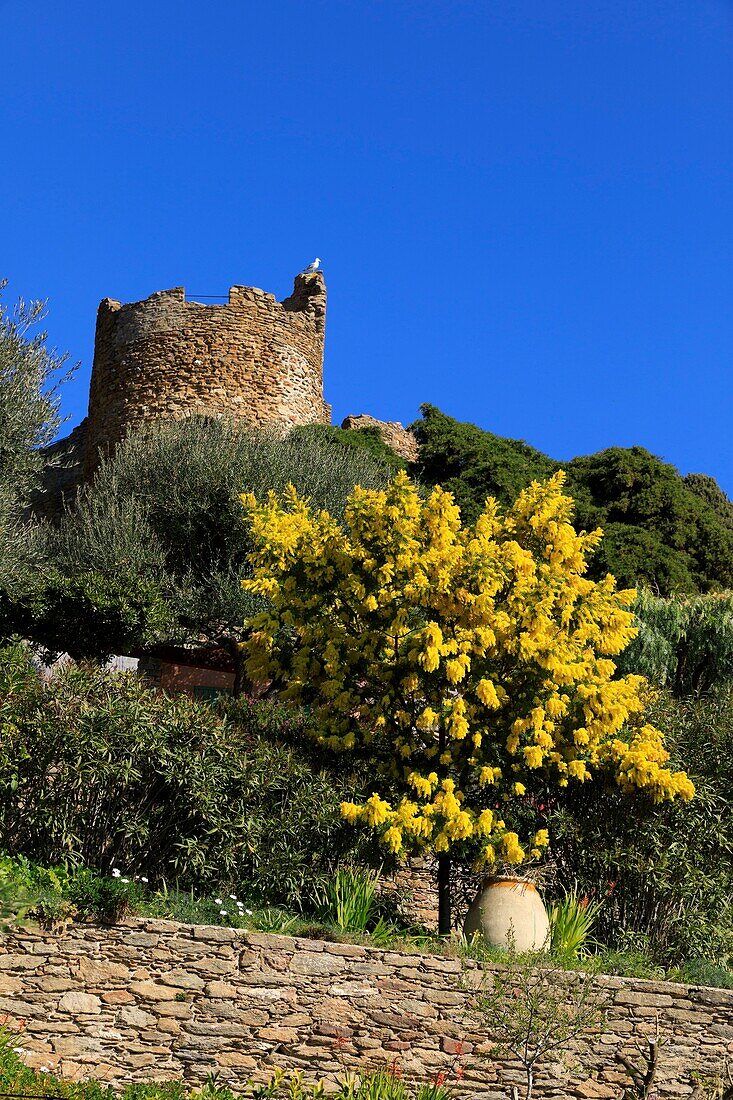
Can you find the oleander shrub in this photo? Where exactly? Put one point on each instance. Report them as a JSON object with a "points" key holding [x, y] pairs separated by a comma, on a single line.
{"points": [[97, 769]]}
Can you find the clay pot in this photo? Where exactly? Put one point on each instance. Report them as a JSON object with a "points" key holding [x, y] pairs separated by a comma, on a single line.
{"points": [[509, 912]]}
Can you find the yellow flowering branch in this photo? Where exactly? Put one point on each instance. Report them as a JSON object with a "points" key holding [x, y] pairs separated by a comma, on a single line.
{"points": [[473, 663]]}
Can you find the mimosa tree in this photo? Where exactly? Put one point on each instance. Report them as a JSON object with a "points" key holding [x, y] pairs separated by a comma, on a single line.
{"points": [[472, 663]]}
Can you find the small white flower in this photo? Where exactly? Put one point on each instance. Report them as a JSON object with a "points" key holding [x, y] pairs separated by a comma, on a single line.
{"points": [[143, 879], [124, 880], [223, 912], [248, 912], [240, 905], [218, 901], [116, 872], [233, 897]]}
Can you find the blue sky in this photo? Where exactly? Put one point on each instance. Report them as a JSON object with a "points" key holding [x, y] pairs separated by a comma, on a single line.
{"points": [[524, 208]]}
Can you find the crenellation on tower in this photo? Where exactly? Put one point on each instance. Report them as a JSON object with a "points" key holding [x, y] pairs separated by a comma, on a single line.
{"points": [[167, 357]]}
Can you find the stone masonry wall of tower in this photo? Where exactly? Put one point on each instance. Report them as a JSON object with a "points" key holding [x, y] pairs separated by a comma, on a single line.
{"points": [[253, 358]]}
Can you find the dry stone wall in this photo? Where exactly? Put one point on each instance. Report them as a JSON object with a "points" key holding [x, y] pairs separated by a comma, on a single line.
{"points": [[160, 1000], [253, 358]]}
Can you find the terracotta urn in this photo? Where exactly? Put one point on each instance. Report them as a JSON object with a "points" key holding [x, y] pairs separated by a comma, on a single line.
{"points": [[509, 912]]}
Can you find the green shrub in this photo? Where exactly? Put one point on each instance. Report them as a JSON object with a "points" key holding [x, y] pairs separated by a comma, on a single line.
{"points": [[684, 643], [473, 464], [665, 872], [703, 972], [625, 963], [98, 770], [155, 548], [350, 900], [339, 441]]}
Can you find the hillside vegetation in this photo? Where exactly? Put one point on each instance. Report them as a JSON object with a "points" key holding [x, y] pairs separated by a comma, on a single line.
{"points": [[672, 533]]}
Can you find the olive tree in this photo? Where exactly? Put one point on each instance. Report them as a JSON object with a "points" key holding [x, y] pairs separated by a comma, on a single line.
{"points": [[161, 525], [30, 377]]}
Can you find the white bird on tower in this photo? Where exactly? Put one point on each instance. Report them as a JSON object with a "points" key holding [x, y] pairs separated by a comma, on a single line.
{"points": [[312, 267]]}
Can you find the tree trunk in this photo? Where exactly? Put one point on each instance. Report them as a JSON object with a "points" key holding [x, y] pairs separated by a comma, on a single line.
{"points": [[231, 645], [240, 678], [444, 911]]}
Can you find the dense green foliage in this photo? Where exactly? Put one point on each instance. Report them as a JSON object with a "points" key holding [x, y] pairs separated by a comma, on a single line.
{"points": [[685, 643], [472, 463], [364, 440], [156, 547], [673, 533], [97, 769], [89, 614], [343, 904], [98, 772], [30, 374], [665, 877]]}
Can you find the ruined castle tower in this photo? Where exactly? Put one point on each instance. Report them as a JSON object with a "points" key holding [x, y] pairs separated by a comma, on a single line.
{"points": [[165, 358]]}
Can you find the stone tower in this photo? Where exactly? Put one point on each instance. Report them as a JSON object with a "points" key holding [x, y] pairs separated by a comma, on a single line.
{"points": [[253, 358]]}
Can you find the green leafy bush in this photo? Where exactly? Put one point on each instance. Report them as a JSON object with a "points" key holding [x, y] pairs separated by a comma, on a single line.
{"points": [[666, 876], [350, 900], [87, 615], [31, 374], [155, 549], [684, 643], [703, 972], [368, 439], [98, 770], [473, 464]]}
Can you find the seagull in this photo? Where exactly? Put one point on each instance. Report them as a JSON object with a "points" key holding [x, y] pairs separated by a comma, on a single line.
{"points": [[312, 267]]}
